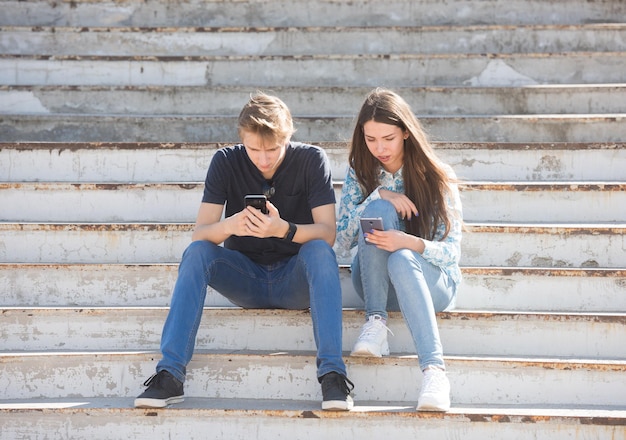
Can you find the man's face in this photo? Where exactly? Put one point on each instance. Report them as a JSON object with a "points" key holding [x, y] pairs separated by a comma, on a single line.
{"points": [[264, 155]]}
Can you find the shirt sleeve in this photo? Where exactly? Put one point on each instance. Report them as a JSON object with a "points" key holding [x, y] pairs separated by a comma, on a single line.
{"points": [[217, 179], [441, 252], [320, 181], [351, 207]]}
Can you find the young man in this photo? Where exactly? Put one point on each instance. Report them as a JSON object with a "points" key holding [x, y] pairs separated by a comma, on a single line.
{"points": [[282, 259]]}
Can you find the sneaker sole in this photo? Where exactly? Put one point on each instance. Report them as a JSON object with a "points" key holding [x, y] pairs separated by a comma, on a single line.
{"points": [[337, 405], [157, 403], [365, 352], [433, 407]]}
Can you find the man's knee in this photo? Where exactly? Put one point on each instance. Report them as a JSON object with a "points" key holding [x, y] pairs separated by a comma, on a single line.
{"points": [[317, 250], [200, 250]]}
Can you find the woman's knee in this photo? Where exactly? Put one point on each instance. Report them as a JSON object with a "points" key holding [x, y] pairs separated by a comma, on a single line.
{"points": [[385, 210], [378, 208]]}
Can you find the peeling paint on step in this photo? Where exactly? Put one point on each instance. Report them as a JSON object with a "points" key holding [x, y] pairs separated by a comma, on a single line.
{"points": [[21, 102], [499, 73]]}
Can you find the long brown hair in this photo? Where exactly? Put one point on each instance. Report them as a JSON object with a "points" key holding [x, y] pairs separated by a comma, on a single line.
{"points": [[425, 179]]}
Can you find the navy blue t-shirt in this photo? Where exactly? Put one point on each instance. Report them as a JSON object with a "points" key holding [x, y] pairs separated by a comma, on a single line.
{"points": [[302, 182]]}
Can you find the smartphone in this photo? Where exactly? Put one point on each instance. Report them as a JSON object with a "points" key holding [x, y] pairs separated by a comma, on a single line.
{"points": [[257, 201], [367, 224]]}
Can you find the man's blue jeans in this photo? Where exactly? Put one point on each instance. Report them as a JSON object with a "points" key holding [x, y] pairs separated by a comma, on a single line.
{"points": [[308, 279], [403, 280]]}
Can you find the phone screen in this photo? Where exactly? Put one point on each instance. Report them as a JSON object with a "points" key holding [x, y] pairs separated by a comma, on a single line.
{"points": [[257, 201]]}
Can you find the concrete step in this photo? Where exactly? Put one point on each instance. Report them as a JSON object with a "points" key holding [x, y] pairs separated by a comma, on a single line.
{"points": [[173, 100], [317, 70], [463, 333], [544, 202], [544, 245], [244, 419], [284, 375], [72, 371], [511, 245], [198, 13], [150, 285], [139, 202], [198, 128], [229, 41], [166, 162]]}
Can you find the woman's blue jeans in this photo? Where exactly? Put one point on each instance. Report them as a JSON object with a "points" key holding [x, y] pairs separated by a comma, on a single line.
{"points": [[308, 279], [403, 280]]}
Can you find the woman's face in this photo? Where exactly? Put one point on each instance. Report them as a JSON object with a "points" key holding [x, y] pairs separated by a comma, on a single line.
{"points": [[386, 143]]}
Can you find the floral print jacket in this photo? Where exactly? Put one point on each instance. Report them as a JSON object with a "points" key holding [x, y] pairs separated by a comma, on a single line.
{"points": [[444, 253]]}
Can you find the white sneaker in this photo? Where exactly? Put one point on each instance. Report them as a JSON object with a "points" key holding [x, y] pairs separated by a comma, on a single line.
{"points": [[373, 339], [435, 392]]}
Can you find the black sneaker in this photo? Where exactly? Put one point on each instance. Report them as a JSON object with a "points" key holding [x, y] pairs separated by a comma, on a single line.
{"points": [[336, 393], [163, 389]]}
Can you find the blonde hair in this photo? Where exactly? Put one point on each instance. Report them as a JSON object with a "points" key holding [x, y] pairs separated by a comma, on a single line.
{"points": [[425, 178], [267, 116]]}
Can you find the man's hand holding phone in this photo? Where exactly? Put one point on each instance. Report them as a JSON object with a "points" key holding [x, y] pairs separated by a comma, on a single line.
{"points": [[258, 201], [261, 218]]}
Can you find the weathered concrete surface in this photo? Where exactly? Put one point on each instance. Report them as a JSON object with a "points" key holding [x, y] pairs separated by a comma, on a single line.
{"points": [[170, 162], [463, 333], [561, 290], [511, 245], [303, 13], [603, 202], [195, 41], [554, 88], [269, 419], [198, 128], [284, 375], [323, 101], [412, 69]]}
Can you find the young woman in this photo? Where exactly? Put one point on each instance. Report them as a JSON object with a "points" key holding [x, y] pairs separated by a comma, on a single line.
{"points": [[413, 264]]}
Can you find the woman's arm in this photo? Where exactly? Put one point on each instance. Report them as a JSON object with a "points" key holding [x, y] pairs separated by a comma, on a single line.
{"points": [[350, 209]]}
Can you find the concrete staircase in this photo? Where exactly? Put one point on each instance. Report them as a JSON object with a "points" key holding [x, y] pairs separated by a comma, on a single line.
{"points": [[110, 112]]}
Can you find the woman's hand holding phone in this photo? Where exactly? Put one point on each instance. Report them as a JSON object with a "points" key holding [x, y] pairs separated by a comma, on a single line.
{"points": [[370, 224], [391, 240]]}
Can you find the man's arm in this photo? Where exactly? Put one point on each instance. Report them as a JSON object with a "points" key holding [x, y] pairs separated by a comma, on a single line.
{"points": [[323, 228], [208, 225]]}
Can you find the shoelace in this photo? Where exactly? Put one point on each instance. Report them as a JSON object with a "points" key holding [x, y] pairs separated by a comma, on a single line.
{"points": [[343, 382], [155, 378], [345, 388], [370, 327], [150, 380]]}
